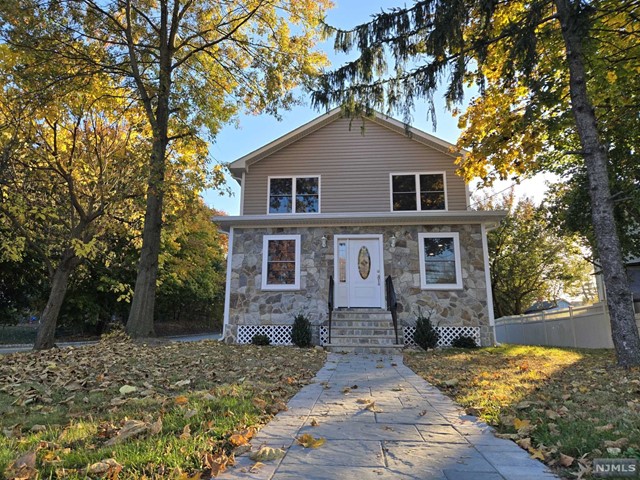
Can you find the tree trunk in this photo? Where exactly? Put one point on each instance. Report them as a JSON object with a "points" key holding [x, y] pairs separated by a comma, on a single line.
{"points": [[46, 332], [624, 330], [140, 322]]}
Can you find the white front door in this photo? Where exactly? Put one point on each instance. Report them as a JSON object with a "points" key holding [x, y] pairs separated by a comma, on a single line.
{"points": [[360, 281]]}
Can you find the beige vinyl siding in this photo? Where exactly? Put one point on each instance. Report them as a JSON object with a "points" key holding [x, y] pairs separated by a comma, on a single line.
{"points": [[354, 168]]}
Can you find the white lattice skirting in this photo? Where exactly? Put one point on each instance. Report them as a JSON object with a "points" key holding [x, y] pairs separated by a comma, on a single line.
{"points": [[281, 334], [447, 335], [278, 334]]}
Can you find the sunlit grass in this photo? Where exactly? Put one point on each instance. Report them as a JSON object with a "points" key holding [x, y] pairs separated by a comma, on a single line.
{"points": [[577, 402]]}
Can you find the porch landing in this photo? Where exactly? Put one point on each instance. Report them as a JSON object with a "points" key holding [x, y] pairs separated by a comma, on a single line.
{"points": [[409, 431]]}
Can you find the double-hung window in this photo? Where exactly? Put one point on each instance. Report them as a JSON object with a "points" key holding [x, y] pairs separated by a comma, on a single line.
{"points": [[294, 195], [281, 262], [418, 192], [440, 267]]}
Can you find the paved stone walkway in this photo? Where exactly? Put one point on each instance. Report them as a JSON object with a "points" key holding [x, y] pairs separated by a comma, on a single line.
{"points": [[412, 431]]}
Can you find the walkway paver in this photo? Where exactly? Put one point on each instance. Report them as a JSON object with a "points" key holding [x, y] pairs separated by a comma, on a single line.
{"points": [[411, 431]]}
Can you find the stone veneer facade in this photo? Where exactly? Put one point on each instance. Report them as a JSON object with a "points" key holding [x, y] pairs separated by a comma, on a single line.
{"points": [[250, 305]]}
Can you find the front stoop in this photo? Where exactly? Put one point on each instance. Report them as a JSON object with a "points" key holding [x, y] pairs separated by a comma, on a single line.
{"points": [[363, 330]]}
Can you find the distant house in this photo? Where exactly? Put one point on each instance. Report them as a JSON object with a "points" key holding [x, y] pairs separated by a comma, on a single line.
{"points": [[335, 205], [633, 273]]}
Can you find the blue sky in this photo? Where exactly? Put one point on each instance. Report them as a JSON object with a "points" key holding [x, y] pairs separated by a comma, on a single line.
{"points": [[256, 131]]}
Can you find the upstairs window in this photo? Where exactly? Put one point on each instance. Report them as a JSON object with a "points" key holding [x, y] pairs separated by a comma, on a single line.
{"points": [[294, 195], [418, 192]]}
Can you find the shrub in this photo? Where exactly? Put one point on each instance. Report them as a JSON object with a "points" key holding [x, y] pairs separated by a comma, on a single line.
{"points": [[464, 341], [426, 335], [260, 339], [301, 331]]}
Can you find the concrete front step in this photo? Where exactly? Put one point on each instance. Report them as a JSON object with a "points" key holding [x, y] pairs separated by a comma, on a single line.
{"points": [[377, 316], [361, 340], [356, 348], [362, 332], [365, 327]]}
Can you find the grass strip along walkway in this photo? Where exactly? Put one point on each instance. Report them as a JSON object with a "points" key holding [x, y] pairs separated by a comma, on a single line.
{"points": [[118, 408], [566, 407]]}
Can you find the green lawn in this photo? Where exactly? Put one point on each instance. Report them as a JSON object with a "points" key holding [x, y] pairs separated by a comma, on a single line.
{"points": [[168, 411], [565, 406]]}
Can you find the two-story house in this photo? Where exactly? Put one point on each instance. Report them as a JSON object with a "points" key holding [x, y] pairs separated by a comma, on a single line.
{"points": [[342, 205]]}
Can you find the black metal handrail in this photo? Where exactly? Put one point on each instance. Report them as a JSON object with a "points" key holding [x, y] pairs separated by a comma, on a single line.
{"points": [[392, 304], [330, 303]]}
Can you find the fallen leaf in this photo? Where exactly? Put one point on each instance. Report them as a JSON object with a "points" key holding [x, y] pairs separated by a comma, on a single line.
{"points": [[190, 413], [524, 443], [264, 454], [372, 408], [186, 432], [156, 427], [216, 463], [126, 389], [604, 428], [108, 466], [308, 441], [23, 468], [537, 454], [566, 460], [552, 415], [131, 429], [619, 443], [314, 422], [181, 400], [521, 424], [238, 439]]}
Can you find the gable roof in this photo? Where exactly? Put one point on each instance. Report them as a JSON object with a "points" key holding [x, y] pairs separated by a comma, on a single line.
{"points": [[242, 164]]}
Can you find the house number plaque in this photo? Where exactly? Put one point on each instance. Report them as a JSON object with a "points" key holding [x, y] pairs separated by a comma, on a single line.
{"points": [[364, 263]]}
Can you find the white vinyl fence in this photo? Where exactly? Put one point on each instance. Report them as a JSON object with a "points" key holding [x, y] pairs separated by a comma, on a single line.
{"points": [[581, 327]]}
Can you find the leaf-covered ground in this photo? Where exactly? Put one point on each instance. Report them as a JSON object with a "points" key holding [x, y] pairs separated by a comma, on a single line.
{"points": [[566, 407], [123, 410]]}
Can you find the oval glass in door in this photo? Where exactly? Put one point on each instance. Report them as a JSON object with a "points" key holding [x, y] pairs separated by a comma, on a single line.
{"points": [[364, 263]]}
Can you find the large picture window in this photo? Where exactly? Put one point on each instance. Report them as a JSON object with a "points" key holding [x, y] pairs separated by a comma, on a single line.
{"points": [[294, 195], [418, 192], [281, 262], [440, 267]]}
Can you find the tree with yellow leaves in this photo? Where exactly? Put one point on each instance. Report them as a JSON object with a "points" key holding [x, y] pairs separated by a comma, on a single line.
{"points": [[533, 63]]}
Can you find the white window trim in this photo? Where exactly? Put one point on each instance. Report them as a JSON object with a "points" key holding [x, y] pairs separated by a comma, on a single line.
{"points": [[293, 193], [265, 255], [417, 180], [456, 246]]}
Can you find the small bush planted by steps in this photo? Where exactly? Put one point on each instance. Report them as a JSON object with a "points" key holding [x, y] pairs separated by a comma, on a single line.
{"points": [[260, 339], [426, 336], [464, 341], [301, 331]]}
